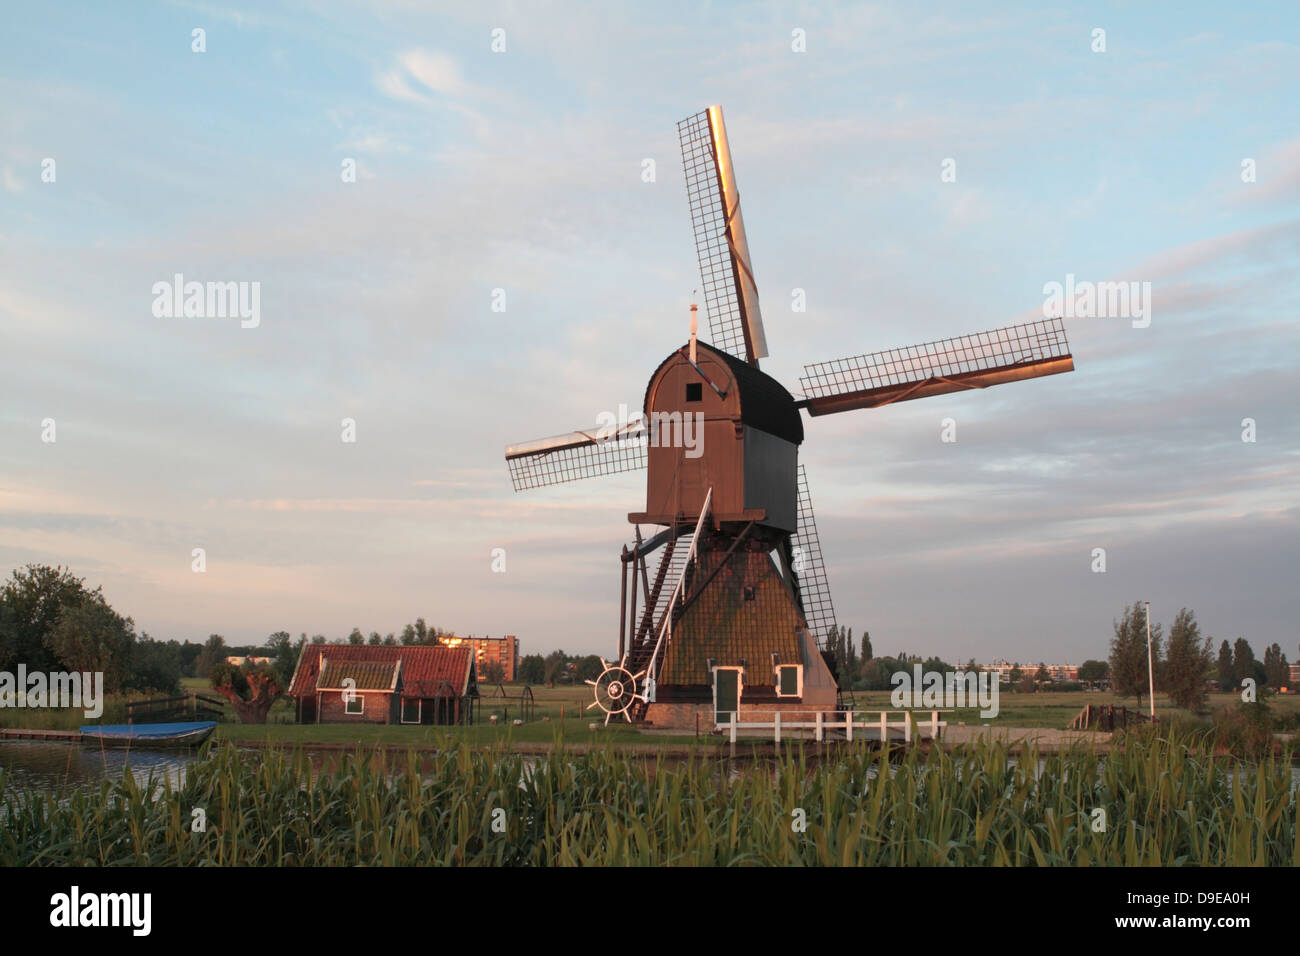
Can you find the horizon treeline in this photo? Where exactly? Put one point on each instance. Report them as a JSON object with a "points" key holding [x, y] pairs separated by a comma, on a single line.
{"points": [[50, 620]]}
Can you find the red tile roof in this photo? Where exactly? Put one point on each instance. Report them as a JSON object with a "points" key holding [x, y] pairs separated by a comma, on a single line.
{"points": [[427, 670]]}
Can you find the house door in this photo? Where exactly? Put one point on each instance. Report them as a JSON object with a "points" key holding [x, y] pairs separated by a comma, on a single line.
{"points": [[726, 693]]}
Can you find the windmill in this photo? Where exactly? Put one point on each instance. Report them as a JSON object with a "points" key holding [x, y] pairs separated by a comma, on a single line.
{"points": [[737, 607]]}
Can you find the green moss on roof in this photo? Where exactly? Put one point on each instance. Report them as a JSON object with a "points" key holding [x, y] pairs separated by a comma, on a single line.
{"points": [[369, 675]]}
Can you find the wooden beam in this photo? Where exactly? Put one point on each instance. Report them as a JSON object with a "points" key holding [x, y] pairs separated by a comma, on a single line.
{"points": [[936, 385]]}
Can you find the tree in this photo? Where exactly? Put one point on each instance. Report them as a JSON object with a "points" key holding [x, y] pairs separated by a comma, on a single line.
{"points": [[553, 664], [1041, 676], [589, 667], [8, 634], [866, 645], [33, 599], [91, 636], [1128, 652], [1093, 671], [155, 665], [532, 669], [375, 640], [493, 672], [356, 637], [1276, 669], [1225, 666], [1187, 663], [250, 690], [389, 640], [284, 654], [213, 653], [1243, 661], [1015, 675]]}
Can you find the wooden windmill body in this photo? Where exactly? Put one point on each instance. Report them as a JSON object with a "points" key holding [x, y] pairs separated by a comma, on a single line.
{"points": [[727, 607]]}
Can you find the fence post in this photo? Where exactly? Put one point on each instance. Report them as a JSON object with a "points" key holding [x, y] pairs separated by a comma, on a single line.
{"points": [[907, 726], [884, 726], [848, 725], [776, 726], [819, 726]]}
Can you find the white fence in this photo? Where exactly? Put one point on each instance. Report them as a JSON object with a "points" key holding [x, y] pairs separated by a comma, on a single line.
{"points": [[834, 720]]}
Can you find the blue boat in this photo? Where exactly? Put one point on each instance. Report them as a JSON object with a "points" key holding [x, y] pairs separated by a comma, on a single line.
{"points": [[189, 734]]}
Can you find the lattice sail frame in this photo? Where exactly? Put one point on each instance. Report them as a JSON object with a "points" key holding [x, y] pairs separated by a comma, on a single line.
{"points": [[1002, 348], [730, 294], [553, 461], [810, 570]]}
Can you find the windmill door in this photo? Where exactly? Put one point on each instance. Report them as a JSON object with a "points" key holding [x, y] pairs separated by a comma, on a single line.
{"points": [[693, 484], [726, 693]]}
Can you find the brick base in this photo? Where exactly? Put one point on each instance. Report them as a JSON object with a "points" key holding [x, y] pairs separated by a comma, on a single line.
{"points": [[681, 715]]}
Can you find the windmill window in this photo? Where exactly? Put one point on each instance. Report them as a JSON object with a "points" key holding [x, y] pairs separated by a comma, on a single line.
{"points": [[694, 392], [750, 594], [789, 680]]}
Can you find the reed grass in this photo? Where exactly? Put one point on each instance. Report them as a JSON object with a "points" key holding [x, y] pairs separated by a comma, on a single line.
{"points": [[1164, 805]]}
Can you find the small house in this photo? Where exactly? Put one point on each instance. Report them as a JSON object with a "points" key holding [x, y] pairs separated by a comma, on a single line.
{"points": [[360, 683]]}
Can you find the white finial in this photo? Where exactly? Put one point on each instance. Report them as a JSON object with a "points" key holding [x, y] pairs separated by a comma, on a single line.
{"points": [[695, 325]]}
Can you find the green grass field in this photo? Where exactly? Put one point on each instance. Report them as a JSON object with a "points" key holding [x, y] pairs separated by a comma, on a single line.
{"points": [[1058, 708], [564, 709]]}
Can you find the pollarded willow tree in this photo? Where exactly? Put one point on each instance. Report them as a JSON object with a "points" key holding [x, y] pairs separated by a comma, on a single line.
{"points": [[250, 690]]}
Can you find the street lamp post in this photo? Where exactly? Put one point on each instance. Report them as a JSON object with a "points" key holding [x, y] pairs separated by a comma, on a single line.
{"points": [[1151, 674]]}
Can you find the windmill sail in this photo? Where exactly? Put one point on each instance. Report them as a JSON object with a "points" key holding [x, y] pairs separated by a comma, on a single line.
{"points": [[970, 361], [577, 455], [810, 571], [730, 295]]}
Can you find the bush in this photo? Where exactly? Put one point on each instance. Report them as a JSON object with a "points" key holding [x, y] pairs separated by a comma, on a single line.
{"points": [[1245, 730]]}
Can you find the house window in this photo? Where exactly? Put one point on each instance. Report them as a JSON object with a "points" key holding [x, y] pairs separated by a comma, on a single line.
{"points": [[789, 680], [411, 711], [728, 685], [354, 704], [694, 392]]}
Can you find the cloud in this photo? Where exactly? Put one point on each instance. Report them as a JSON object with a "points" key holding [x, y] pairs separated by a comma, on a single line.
{"points": [[436, 73]]}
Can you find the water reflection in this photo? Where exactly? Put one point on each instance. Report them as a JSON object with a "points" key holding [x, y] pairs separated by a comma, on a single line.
{"points": [[58, 767]]}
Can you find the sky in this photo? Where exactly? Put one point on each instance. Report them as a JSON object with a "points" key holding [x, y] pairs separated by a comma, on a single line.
{"points": [[918, 173]]}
